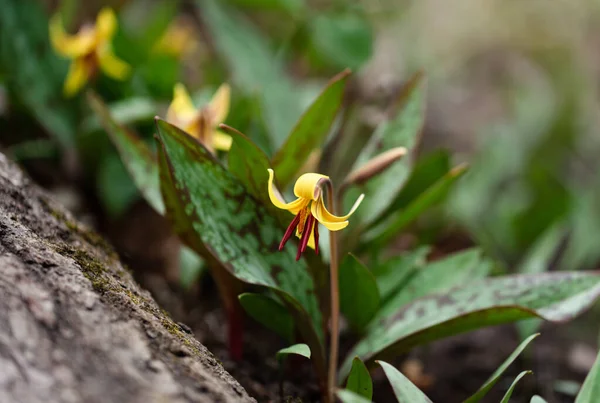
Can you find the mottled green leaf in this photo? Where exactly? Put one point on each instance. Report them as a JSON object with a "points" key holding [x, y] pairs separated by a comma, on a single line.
{"points": [[590, 390], [508, 394], [298, 349], [270, 313], [249, 163], [556, 296], [253, 66], [489, 384], [402, 130], [404, 390], [342, 39], [359, 296], [214, 214], [33, 72], [347, 396], [310, 130], [393, 274], [359, 379], [452, 271], [390, 228], [135, 154]]}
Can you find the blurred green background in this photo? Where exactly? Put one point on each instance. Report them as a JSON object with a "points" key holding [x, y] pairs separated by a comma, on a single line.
{"points": [[512, 89]]}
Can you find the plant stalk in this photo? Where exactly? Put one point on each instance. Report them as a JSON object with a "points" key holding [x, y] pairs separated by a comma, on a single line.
{"points": [[335, 302]]}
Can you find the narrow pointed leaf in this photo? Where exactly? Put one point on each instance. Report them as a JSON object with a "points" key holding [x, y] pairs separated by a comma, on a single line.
{"points": [[135, 154], [556, 296], [508, 394], [404, 390], [402, 130], [249, 163], [213, 213], [298, 349], [270, 313], [347, 396], [359, 296], [310, 131], [438, 276], [590, 390], [390, 228], [359, 380], [499, 371]]}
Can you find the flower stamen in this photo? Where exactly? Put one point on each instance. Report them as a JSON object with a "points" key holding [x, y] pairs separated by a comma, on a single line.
{"points": [[289, 231]]}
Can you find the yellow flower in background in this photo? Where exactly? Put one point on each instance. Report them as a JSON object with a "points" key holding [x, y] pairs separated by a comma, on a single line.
{"points": [[179, 40], [309, 210], [201, 123], [89, 50]]}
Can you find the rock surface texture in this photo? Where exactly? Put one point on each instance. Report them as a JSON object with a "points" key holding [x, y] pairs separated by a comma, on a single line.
{"points": [[75, 327]]}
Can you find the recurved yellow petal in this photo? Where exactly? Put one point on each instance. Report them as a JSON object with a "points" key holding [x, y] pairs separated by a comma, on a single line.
{"points": [[181, 108], [112, 65], [106, 24], [76, 77], [221, 141], [308, 186], [219, 104], [71, 46], [330, 221], [293, 207]]}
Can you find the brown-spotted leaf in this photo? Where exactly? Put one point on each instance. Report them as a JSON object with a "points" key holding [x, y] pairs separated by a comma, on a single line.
{"points": [[556, 296], [212, 211]]}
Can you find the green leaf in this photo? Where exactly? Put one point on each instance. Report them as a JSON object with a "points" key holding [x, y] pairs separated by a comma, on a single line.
{"points": [[359, 296], [590, 390], [135, 154], [537, 399], [124, 112], [404, 390], [390, 228], [452, 271], [391, 276], [270, 313], [480, 394], [310, 130], [191, 267], [253, 66], [344, 40], [213, 213], [556, 296], [402, 130], [359, 380], [298, 349], [347, 396], [115, 188], [508, 394], [34, 73], [249, 163]]}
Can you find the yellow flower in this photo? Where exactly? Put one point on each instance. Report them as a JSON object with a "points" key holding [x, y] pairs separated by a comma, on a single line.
{"points": [[179, 40], [309, 210], [89, 49], [201, 124]]}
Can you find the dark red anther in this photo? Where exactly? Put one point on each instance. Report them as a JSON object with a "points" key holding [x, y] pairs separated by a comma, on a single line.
{"points": [[316, 237], [305, 235], [289, 231]]}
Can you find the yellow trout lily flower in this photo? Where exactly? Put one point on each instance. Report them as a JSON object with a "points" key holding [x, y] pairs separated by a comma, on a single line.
{"points": [[309, 210], [89, 50], [201, 123]]}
